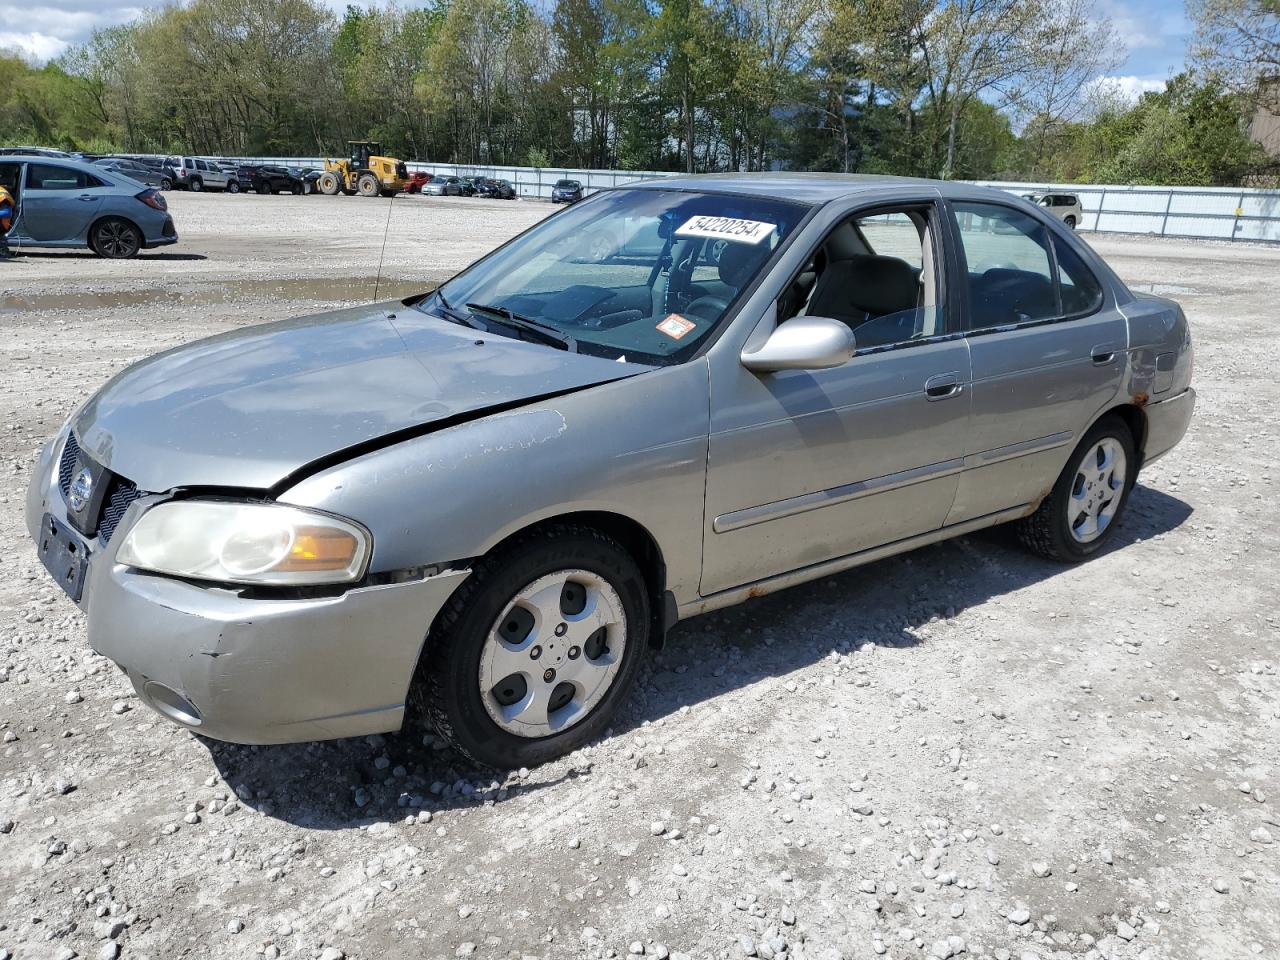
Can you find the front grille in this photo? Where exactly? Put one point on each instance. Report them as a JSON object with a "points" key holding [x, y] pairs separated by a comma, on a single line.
{"points": [[67, 465], [120, 495]]}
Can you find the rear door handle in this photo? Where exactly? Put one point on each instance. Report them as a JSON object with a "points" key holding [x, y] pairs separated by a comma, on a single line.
{"points": [[1103, 354], [87, 196], [943, 385]]}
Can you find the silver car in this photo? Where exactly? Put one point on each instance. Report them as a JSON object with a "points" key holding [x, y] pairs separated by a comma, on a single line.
{"points": [[480, 508], [442, 186], [1065, 206], [66, 203]]}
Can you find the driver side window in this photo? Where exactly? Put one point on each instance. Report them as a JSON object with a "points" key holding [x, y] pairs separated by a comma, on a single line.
{"points": [[877, 273]]}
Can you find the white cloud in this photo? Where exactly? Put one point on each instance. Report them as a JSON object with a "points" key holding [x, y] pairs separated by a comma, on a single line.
{"points": [[38, 46], [1128, 88]]}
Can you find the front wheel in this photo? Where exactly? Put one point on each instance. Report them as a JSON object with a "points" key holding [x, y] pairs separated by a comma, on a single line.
{"points": [[329, 184], [115, 239], [1082, 511], [532, 656], [166, 183]]}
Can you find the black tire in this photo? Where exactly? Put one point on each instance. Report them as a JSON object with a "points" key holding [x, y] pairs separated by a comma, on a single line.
{"points": [[446, 691], [296, 189], [166, 183], [233, 186], [1048, 530], [196, 185], [329, 183], [115, 238], [1070, 222], [367, 185], [262, 190]]}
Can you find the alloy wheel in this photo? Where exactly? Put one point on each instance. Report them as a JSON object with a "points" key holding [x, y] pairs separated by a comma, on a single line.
{"points": [[117, 239], [553, 654], [1097, 490]]}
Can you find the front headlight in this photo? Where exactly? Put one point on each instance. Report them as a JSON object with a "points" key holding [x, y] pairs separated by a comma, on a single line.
{"points": [[266, 543]]}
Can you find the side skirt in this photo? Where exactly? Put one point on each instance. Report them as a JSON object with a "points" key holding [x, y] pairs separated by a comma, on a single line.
{"points": [[760, 588]]}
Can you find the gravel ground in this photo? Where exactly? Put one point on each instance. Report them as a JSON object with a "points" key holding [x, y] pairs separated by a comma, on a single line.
{"points": [[965, 751]]}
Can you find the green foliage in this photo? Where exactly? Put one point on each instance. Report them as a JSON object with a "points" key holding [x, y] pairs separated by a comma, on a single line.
{"points": [[916, 87]]}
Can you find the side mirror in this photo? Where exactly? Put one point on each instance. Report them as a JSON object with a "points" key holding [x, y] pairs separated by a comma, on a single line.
{"points": [[803, 343]]}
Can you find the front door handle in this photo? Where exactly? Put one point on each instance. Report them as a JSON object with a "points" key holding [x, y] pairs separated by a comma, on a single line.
{"points": [[87, 196], [943, 385], [1102, 354]]}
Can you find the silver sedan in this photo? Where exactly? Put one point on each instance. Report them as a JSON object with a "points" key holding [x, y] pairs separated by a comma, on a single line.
{"points": [[481, 508]]}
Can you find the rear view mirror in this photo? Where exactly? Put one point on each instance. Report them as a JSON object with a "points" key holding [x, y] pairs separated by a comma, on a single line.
{"points": [[803, 343]]}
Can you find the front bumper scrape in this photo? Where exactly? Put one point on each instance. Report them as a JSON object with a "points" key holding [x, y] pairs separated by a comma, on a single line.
{"points": [[252, 670]]}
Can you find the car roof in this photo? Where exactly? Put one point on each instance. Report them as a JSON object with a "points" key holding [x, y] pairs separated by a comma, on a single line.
{"points": [[814, 188]]}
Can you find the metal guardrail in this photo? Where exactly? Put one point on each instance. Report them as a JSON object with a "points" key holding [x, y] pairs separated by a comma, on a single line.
{"points": [[1206, 213]]}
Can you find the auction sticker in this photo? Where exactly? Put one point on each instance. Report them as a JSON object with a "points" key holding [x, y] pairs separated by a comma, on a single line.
{"points": [[726, 228], [675, 326]]}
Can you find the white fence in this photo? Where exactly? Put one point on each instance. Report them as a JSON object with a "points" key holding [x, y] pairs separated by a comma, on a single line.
{"points": [[1214, 213]]}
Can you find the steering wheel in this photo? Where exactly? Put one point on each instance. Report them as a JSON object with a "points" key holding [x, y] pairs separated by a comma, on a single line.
{"points": [[708, 308]]}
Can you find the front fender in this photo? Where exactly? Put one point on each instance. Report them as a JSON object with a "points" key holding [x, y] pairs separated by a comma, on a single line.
{"points": [[635, 447]]}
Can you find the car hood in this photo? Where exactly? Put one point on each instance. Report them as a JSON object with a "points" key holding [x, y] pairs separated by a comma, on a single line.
{"points": [[250, 407]]}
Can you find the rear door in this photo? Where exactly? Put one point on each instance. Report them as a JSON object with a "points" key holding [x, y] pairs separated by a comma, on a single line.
{"points": [[1048, 350], [59, 202], [11, 177]]}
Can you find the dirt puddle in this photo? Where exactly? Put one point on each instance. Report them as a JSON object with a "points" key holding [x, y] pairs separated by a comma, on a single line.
{"points": [[326, 290]]}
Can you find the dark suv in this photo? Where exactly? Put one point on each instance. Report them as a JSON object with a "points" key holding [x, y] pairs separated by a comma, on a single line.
{"points": [[269, 178]]}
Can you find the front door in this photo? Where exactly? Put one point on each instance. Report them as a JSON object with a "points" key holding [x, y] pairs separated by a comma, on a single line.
{"points": [[58, 202], [808, 466], [1048, 355]]}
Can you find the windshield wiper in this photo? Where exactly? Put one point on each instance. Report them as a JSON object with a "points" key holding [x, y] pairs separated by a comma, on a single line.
{"points": [[545, 332], [459, 316]]}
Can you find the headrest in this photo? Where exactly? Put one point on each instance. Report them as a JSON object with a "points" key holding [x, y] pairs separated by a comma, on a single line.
{"points": [[881, 285], [738, 261]]}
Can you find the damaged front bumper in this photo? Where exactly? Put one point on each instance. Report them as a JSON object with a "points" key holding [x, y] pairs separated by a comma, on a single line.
{"points": [[251, 669]]}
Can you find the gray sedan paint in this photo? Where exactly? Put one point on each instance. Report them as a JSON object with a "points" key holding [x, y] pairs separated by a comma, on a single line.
{"points": [[744, 482], [209, 414]]}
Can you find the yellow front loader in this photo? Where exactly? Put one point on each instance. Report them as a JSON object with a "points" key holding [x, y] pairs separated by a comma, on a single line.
{"points": [[365, 172]]}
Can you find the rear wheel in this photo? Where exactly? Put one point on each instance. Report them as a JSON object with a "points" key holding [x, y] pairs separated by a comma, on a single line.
{"points": [[233, 187], [1070, 222], [196, 185], [329, 183], [1082, 511], [532, 656], [115, 239], [367, 185]]}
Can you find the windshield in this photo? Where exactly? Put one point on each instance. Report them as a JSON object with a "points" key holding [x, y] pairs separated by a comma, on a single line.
{"points": [[566, 184], [643, 274]]}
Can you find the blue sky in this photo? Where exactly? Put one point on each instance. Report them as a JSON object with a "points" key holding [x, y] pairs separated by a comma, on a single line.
{"points": [[1154, 32]]}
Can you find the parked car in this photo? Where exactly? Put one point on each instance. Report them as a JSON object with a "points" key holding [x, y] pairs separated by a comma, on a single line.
{"points": [[495, 189], [855, 374], [198, 173], [442, 186], [66, 203], [467, 186], [136, 171], [34, 152], [270, 178], [417, 180], [1065, 206], [566, 191]]}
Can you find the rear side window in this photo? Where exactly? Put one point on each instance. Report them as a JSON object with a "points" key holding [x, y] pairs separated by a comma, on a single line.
{"points": [[1081, 291], [47, 176], [1009, 266]]}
